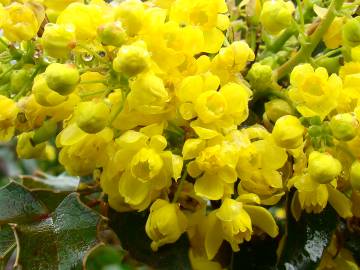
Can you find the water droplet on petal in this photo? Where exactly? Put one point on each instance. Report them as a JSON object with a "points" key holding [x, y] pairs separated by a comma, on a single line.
{"points": [[87, 57]]}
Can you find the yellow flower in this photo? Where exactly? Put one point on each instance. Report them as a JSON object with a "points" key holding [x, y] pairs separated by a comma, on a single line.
{"points": [[165, 224], [205, 14], [81, 153], [258, 166], [90, 90], [20, 22], [323, 168], [59, 5], [350, 94], [58, 40], [132, 59], [333, 36], [139, 168], [214, 166], [148, 94], [313, 91], [288, 132], [231, 60], [355, 175], [85, 18], [276, 15], [131, 14], [8, 114], [344, 127], [234, 221], [25, 148], [91, 116], [112, 34], [313, 196]]}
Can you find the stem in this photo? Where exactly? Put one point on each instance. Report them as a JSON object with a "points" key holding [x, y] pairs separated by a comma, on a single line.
{"points": [[24, 88], [4, 42], [301, 15], [180, 186], [306, 50], [278, 43]]}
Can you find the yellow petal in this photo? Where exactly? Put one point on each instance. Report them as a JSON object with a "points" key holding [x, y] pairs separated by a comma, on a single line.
{"points": [[340, 202], [261, 218], [214, 39], [71, 135], [209, 186], [213, 237], [249, 198]]}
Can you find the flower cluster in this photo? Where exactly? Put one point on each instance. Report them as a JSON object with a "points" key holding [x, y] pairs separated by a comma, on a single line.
{"points": [[154, 98]]}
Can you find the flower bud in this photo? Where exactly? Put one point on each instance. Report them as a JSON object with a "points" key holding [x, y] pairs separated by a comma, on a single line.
{"points": [[112, 34], [62, 78], [132, 59], [165, 223], [43, 94], [58, 40], [288, 132], [20, 22], [276, 108], [355, 175], [260, 76], [276, 15], [91, 116], [351, 32], [344, 127], [26, 149], [17, 80], [131, 14], [323, 168]]}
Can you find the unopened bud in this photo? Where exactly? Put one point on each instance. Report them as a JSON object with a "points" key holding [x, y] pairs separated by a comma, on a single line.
{"points": [[91, 116], [344, 127], [62, 78], [323, 168]]}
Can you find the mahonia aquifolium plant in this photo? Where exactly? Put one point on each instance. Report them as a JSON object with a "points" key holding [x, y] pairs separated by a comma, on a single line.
{"points": [[228, 105]]}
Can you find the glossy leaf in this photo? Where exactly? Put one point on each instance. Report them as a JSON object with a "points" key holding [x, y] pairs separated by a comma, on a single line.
{"points": [[307, 239], [18, 205], [130, 228], [61, 240], [58, 183], [7, 241]]}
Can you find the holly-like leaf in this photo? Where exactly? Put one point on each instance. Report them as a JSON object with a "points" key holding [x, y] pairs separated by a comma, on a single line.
{"points": [[61, 240], [307, 239], [130, 228], [50, 198], [259, 254], [58, 183], [18, 205], [7, 241]]}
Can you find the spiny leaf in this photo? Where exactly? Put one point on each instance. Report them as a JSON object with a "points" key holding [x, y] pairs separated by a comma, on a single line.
{"points": [[307, 239], [18, 205], [55, 183], [7, 241], [61, 240]]}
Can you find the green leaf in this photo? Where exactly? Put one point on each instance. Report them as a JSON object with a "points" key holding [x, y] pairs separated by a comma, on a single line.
{"points": [[18, 205], [307, 239], [7, 241], [47, 181], [61, 240], [105, 257], [130, 228], [50, 198], [259, 254]]}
